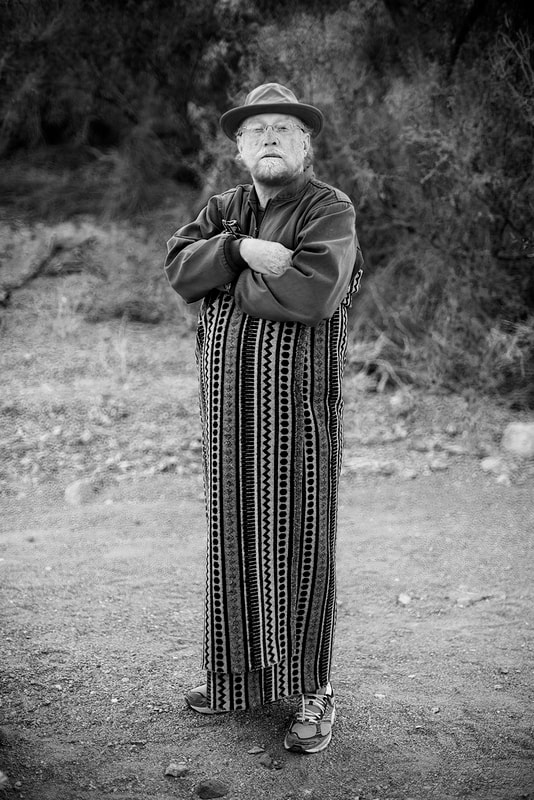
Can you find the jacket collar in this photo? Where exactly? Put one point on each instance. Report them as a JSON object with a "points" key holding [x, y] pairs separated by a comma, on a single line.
{"points": [[289, 191]]}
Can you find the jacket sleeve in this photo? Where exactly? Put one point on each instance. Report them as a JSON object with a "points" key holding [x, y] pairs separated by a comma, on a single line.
{"points": [[325, 260], [201, 256]]}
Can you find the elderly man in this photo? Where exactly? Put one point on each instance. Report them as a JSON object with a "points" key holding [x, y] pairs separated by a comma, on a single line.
{"points": [[276, 263]]}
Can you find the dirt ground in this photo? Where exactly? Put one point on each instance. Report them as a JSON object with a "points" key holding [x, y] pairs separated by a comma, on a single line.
{"points": [[101, 597]]}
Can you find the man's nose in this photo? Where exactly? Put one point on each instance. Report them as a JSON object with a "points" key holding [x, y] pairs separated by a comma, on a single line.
{"points": [[270, 135]]}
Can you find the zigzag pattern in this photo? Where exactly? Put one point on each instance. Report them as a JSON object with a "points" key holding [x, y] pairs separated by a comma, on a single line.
{"points": [[270, 396]]}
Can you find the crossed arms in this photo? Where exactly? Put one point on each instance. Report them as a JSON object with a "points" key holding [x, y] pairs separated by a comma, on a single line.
{"points": [[269, 280]]}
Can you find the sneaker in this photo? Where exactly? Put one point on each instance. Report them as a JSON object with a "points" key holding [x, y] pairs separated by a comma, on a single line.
{"points": [[311, 729], [197, 699]]}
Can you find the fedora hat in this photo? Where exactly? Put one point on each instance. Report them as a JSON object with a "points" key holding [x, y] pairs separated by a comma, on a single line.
{"points": [[271, 98]]}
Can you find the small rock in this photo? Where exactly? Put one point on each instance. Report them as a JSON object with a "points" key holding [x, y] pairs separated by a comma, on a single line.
{"points": [[436, 710], [422, 445], [518, 438], [385, 437], [255, 750], [80, 492], [85, 437], [386, 468], [266, 761], [492, 464], [401, 403], [168, 464], [403, 599], [455, 449], [438, 464], [400, 432], [408, 474], [211, 788], [503, 479], [484, 449], [99, 417], [4, 780], [178, 771], [364, 467]]}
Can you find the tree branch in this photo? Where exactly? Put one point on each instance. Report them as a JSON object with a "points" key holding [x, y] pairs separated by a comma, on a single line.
{"points": [[476, 11]]}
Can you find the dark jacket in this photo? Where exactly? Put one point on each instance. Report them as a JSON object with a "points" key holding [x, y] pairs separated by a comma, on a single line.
{"points": [[314, 220]]}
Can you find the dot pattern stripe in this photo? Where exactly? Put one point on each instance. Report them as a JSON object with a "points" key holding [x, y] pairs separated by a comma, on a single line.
{"points": [[271, 410]]}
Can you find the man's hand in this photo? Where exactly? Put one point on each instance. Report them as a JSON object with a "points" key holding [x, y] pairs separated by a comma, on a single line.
{"points": [[267, 258]]}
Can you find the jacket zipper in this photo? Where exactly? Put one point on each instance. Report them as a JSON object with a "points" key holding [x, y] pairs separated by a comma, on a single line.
{"points": [[257, 225]]}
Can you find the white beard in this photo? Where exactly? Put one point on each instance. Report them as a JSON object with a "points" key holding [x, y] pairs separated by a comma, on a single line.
{"points": [[272, 171]]}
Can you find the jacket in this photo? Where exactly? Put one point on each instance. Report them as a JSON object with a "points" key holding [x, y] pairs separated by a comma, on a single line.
{"points": [[311, 218]]}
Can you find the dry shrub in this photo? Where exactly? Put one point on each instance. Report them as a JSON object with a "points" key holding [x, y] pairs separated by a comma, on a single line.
{"points": [[439, 164], [127, 306], [508, 362], [136, 175], [446, 226], [440, 168], [136, 289], [118, 271]]}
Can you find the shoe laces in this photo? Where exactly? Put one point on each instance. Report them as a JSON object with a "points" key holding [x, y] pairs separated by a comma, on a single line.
{"points": [[312, 707]]}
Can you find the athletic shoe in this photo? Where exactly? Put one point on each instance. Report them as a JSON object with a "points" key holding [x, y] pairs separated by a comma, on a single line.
{"points": [[311, 729], [197, 699]]}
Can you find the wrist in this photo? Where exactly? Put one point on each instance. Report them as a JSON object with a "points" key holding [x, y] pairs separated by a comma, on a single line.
{"points": [[233, 254]]}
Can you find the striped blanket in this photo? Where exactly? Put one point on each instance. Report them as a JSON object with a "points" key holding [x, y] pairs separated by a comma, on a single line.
{"points": [[271, 410]]}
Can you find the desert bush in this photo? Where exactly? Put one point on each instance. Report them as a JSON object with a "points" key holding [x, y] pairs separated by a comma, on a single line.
{"points": [[508, 361], [136, 289], [440, 166], [428, 127], [116, 271]]}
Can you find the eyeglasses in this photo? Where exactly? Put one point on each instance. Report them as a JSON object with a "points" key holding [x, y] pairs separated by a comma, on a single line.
{"points": [[280, 129]]}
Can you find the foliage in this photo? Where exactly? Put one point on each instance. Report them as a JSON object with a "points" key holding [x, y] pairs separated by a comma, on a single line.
{"points": [[122, 82], [113, 107], [441, 170]]}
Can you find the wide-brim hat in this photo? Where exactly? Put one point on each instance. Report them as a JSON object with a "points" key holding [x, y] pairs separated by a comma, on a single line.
{"points": [[271, 98]]}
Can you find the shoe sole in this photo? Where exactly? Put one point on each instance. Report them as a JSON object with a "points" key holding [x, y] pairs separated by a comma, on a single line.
{"points": [[201, 709], [205, 711], [302, 749]]}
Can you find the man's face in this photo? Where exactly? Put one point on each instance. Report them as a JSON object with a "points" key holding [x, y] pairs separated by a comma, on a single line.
{"points": [[273, 157]]}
